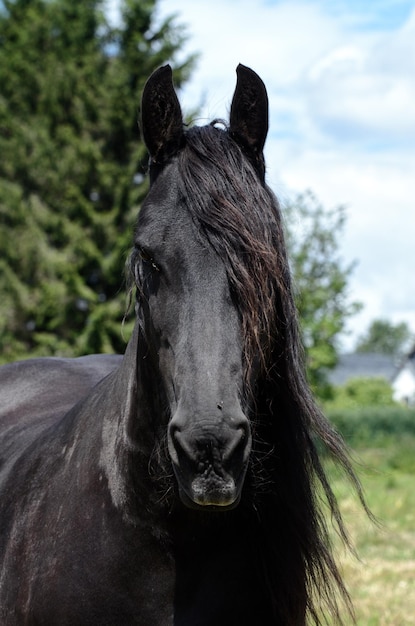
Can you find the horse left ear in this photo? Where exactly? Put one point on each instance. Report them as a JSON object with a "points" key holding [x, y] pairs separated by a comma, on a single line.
{"points": [[161, 116], [249, 112]]}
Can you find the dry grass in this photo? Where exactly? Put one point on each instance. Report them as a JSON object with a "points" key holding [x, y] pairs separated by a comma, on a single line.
{"points": [[381, 581]]}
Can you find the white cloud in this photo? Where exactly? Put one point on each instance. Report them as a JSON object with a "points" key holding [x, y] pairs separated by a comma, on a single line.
{"points": [[365, 91]]}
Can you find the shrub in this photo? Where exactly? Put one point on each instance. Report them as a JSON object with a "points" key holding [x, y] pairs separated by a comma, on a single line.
{"points": [[361, 392], [373, 426]]}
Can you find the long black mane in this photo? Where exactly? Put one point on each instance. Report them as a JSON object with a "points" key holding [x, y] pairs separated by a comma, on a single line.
{"points": [[287, 495]]}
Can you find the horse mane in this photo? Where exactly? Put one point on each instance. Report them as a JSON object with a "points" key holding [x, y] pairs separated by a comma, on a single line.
{"points": [[241, 218]]}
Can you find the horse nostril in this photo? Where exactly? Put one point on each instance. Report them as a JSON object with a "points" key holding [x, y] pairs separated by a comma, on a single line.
{"points": [[173, 443], [181, 446], [213, 449], [238, 446]]}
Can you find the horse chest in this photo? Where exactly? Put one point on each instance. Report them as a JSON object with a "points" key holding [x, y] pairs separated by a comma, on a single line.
{"points": [[218, 582]]}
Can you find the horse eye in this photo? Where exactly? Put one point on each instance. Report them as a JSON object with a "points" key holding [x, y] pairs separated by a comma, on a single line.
{"points": [[146, 257]]}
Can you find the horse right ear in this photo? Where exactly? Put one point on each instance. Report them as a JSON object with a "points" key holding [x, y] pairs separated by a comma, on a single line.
{"points": [[161, 116], [249, 115]]}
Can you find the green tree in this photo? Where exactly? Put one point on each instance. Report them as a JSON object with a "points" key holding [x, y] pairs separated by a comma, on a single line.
{"points": [[386, 338], [71, 167], [320, 281]]}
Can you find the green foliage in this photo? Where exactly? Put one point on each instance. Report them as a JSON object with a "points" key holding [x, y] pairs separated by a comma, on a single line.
{"points": [[386, 338], [361, 392], [71, 172], [374, 426], [320, 280]]}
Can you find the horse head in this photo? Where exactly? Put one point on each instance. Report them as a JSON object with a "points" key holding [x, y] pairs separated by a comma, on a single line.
{"points": [[187, 304]]}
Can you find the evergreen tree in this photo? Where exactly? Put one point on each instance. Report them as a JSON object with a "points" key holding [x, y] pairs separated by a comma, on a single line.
{"points": [[71, 167]]}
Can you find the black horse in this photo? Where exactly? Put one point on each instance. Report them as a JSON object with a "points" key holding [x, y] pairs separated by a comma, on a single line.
{"points": [[179, 484]]}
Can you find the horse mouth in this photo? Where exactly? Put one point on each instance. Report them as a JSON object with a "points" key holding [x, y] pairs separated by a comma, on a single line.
{"points": [[209, 491], [209, 500]]}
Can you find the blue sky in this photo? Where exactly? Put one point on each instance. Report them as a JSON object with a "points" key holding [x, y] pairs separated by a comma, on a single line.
{"points": [[340, 76], [377, 14], [370, 14]]}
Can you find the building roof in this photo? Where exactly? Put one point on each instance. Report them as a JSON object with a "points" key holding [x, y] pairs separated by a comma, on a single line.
{"points": [[363, 365]]}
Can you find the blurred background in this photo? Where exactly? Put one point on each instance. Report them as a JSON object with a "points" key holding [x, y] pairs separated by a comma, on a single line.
{"points": [[340, 157]]}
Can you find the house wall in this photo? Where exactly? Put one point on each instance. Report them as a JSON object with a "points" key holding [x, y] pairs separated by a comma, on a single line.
{"points": [[404, 387]]}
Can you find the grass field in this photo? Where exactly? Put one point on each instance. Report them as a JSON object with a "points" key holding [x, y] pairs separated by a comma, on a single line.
{"points": [[381, 581]]}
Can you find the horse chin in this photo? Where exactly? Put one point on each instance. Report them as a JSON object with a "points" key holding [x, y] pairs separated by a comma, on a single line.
{"points": [[220, 498], [208, 503]]}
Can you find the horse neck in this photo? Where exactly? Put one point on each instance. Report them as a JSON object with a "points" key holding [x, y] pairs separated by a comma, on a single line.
{"points": [[131, 430]]}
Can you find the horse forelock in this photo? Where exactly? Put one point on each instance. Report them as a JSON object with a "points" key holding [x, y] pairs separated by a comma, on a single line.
{"points": [[240, 217]]}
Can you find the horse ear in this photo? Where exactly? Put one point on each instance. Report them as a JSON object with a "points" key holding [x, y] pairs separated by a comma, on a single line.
{"points": [[249, 111], [161, 116]]}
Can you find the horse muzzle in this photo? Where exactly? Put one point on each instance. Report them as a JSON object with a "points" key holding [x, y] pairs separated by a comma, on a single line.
{"points": [[209, 459]]}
